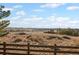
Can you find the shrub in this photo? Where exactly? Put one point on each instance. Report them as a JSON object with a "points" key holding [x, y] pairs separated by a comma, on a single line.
{"points": [[54, 37], [17, 40], [51, 37], [3, 34], [66, 37], [71, 32], [22, 33], [59, 38]]}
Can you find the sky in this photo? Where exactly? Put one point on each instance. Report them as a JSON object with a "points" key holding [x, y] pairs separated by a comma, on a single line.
{"points": [[43, 15]]}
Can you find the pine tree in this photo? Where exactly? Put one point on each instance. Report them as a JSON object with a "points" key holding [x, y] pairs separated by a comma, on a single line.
{"points": [[3, 23]]}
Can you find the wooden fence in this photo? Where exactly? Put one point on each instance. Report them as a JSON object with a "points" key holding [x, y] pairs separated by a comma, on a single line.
{"points": [[54, 49]]}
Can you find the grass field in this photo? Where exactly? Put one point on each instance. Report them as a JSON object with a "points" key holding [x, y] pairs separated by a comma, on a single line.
{"points": [[40, 38]]}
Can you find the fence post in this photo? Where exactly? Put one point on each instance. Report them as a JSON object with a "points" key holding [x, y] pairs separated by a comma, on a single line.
{"points": [[55, 49], [4, 48], [28, 47]]}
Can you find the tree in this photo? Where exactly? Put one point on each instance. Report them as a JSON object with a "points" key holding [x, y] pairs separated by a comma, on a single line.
{"points": [[3, 23]]}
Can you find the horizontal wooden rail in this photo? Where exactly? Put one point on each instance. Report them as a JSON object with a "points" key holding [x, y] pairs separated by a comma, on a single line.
{"points": [[1, 52], [10, 53], [52, 49], [70, 47], [13, 44], [72, 52], [34, 50], [44, 46], [16, 49]]}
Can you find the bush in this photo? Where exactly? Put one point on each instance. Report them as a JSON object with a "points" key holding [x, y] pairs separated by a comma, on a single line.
{"points": [[51, 37], [54, 37], [70, 32], [3, 34], [22, 33], [17, 40], [66, 37], [59, 38]]}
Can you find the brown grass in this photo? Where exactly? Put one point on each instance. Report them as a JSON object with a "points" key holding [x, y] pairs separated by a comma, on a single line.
{"points": [[40, 38]]}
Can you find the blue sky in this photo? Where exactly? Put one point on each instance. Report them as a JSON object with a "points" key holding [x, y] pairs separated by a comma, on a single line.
{"points": [[43, 15]]}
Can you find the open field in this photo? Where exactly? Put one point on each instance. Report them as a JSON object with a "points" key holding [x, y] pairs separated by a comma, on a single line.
{"points": [[39, 37]]}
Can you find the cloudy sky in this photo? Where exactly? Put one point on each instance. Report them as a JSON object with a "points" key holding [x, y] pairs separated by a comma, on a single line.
{"points": [[43, 15]]}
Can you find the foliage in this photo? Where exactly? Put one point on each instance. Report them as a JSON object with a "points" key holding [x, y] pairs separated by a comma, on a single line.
{"points": [[62, 31], [3, 23], [70, 32]]}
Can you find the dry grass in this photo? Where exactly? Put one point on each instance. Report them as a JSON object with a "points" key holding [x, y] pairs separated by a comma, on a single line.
{"points": [[40, 38]]}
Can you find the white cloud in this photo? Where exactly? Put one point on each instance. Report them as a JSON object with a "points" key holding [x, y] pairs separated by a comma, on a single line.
{"points": [[73, 8], [18, 15], [21, 13], [51, 5], [58, 21], [14, 8], [15, 18], [20, 19], [38, 10], [62, 19], [41, 22], [17, 6]]}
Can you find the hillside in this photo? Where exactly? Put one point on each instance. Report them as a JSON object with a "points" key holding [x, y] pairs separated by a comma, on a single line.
{"points": [[40, 38]]}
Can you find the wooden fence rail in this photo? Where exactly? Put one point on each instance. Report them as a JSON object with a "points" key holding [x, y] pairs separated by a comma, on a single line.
{"points": [[28, 50]]}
